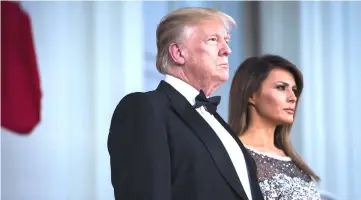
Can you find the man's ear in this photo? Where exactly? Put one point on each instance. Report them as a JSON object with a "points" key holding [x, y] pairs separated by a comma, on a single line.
{"points": [[177, 53]]}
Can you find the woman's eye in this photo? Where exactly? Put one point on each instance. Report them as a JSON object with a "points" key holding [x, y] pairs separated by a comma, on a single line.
{"points": [[295, 91], [281, 87]]}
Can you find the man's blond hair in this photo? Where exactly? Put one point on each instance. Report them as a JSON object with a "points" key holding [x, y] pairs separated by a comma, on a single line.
{"points": [[172, 28]]}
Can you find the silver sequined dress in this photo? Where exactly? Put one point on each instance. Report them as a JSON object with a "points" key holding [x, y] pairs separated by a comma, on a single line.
{"points": [[281, 179]]}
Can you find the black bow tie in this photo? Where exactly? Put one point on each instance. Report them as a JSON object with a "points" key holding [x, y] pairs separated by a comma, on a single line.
{"points": [[209, 103]]}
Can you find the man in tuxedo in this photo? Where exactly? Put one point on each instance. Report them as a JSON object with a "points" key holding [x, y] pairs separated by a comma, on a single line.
{"points": [[170, 143]]}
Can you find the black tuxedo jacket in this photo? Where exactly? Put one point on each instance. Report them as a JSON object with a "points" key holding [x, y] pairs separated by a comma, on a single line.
{"points": [[162, 149]]}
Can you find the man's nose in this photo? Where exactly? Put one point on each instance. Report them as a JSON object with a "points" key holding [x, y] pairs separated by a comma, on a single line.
{"points": [[225, 50]]}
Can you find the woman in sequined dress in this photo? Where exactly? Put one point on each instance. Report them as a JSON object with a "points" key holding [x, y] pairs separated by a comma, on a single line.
{"points": [[263, 100]]}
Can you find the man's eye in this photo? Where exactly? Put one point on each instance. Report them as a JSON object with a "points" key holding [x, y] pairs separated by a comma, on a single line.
{"points": [[213, 39]]}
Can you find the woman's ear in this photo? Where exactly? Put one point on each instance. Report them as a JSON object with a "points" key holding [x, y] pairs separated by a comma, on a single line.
{"points": [[251, 100]]}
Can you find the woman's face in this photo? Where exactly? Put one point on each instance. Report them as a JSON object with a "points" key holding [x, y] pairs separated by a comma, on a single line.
{"points": [[276, 100]]}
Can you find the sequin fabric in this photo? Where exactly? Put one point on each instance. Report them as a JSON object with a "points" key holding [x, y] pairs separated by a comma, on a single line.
{"points": [[281, 179]]}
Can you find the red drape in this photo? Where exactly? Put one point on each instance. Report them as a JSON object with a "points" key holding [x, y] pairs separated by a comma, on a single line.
{"points": [[20, 82]]}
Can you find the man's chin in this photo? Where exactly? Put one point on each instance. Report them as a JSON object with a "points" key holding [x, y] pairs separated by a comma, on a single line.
{"points": [[224, 77]]}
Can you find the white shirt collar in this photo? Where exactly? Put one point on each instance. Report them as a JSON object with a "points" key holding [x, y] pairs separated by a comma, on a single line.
{"points": [[182, 87]]}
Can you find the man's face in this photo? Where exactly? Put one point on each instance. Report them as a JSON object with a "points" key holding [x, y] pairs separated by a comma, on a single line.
{"points": [[207, 51]]}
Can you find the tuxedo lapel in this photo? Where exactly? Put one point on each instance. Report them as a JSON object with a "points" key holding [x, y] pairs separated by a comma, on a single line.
{"points": [[251, 167], [207, 135]]}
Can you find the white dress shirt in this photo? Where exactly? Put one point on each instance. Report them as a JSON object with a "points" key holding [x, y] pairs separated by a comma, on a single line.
{"points": [[234, 151]]}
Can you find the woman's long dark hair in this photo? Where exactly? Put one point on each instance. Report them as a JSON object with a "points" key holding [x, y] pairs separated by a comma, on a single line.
{"points": [[247, 80]]}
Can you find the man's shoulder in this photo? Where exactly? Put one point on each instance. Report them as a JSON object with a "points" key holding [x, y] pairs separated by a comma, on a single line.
{"points": [[141, 96], [134, 97], [142, 99]]}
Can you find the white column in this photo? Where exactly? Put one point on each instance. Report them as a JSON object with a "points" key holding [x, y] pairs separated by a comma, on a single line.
{"points": [[118, 53], [353, 114], [336, 85], [313, 98], [90, 55], [329, 52], [52, 162], [279, 29]]}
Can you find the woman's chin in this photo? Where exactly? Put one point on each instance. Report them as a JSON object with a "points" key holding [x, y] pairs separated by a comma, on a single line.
{"points": [[286, 122]]}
